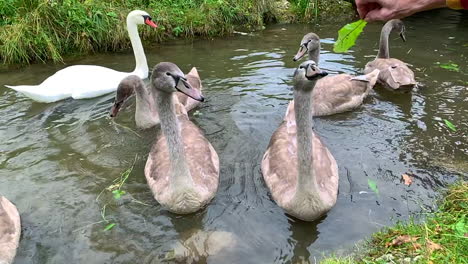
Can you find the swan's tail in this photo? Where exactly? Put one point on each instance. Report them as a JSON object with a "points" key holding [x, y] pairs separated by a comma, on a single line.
{"points": [[370, 79], [38, 94]]}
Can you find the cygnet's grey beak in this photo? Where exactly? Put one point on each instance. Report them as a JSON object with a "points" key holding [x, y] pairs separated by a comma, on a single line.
{"points": [[312, 72], [115, 109], [184, 87], [403, 36], [302, 51]]}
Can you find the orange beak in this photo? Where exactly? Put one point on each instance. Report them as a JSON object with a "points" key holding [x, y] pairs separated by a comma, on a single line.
{"points": [[150, 23]]}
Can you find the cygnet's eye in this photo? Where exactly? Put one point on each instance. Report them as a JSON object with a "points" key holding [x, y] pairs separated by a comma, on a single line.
{"points": [[168, 74]]}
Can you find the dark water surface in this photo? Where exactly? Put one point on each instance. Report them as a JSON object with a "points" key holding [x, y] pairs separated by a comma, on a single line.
{"points": [[55, 159]]}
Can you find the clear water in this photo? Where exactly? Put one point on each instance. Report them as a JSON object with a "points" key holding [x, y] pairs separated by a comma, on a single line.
{"points": [[57, 158]]}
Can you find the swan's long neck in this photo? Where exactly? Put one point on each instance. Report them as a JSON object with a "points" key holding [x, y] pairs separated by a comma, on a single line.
{"points": [[304, 123], [146, 114], [141, 66], [314, 54], [171, 129], [384, 52]]}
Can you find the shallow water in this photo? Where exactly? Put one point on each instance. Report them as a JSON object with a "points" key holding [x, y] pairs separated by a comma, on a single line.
{"points": [[57, 158]]}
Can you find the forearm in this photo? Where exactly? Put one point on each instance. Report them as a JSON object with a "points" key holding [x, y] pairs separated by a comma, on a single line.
{"points": [[409, 7]]}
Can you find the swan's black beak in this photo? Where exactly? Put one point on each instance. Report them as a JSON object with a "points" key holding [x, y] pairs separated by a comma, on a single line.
{"points": [[184, 87]]}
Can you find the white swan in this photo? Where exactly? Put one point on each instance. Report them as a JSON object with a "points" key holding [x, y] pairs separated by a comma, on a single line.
{"points": [[87, 81]]}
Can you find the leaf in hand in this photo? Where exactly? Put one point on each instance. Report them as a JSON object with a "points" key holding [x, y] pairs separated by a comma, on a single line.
{"points": [[407, 179], [347, 36]]}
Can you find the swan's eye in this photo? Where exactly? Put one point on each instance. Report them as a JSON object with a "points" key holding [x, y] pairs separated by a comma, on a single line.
{"points": [[168, 74]]}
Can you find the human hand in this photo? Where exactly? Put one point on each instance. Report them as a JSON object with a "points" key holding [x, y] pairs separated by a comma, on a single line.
{"points": [[372, 10]]}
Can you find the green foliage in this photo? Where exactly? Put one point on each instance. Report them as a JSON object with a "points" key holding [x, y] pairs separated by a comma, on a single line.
{"points": [[449, 66], [450, 125], [347, 36], [32, 30], [441, 239], [373, 186]]}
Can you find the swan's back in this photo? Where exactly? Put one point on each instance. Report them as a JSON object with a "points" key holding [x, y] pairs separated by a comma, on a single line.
{"points": [[78, 82], [10, 230], [394, 74], [341, 93]]}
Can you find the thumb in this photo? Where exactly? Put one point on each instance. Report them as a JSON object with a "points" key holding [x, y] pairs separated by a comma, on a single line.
{"points": [[382, 14]]}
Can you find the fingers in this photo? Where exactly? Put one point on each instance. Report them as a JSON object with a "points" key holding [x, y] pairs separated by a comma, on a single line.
{"points": [[362, 7], [381, 14]]}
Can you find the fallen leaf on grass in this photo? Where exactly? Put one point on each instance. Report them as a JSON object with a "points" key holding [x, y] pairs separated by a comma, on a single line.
{"points": [[432, 246], [407, 179], [401, 240]]}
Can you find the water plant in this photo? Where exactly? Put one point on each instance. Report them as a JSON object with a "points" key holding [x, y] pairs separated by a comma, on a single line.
{"points": [[115, 190]]}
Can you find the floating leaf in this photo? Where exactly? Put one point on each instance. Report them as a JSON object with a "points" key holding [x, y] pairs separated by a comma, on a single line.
{"points": [[407, 179], [118, 194], [450, 125], [373, 186], [347, 36], [109, 226], [449, 66]]}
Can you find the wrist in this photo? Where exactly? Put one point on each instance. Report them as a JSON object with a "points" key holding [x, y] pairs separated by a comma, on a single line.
{"points": [[433, 4], [457, 4]]}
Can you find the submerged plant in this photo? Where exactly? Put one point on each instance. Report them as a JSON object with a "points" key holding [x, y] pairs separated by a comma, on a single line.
{"points": [[117, 193]]}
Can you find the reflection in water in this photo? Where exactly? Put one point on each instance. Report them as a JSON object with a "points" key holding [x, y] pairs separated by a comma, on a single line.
{"points": [[56, 158]]}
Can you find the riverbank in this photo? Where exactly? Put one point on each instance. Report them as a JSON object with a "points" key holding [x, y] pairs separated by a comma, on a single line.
{"points": [[441, 238], [43, 30]]}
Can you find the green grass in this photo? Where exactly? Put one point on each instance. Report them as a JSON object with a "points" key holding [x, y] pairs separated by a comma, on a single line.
{"points": [[442, 238], [40, 30], [314, 11]]}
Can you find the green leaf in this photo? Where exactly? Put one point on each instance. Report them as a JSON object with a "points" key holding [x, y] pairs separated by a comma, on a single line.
{"points": [[111, 14], [118, 194], [373, 186], [460, 228], [347, 36], [450, 125], [449, 66], [109, 226]]}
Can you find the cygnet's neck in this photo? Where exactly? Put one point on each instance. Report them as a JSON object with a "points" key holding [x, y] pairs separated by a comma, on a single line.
{"points": [[171, 129]]}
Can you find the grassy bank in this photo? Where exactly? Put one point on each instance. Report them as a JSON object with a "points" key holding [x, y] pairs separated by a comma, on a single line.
{"points": [[41, 30], [32, 30], [442, 238]]}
